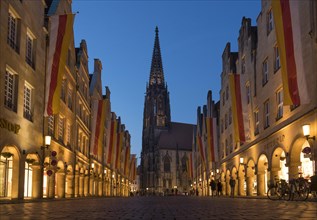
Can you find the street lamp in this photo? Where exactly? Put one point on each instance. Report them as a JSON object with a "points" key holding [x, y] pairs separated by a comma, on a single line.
{"points": [[242, 160], [306, 132]]}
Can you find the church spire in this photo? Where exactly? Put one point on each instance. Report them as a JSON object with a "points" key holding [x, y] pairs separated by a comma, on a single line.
{"points": [[156, 74]]}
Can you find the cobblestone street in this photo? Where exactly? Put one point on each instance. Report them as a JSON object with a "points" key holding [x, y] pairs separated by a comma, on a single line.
{"points": [[173, 207]]}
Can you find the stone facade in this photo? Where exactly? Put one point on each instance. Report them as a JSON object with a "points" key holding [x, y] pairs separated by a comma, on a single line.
{"points": [[68, 166], [274, 142]]}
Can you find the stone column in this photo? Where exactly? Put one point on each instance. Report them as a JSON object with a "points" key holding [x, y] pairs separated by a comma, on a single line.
{"points": [[70, 185], [241, 191], [249, 185], [51, 186], [81, 185], [91, 185], [227, 187], [274, 174], [37, 189], [100, 187], [76, 187], [86, 185], [293, 171], [261, 183], [60, 180]]}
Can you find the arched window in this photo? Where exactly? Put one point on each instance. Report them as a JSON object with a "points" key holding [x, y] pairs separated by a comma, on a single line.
{"points": [[184, 163], [167, 164]]}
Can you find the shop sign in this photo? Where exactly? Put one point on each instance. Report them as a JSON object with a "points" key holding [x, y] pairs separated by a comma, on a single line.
{"points": [[9, 126]]}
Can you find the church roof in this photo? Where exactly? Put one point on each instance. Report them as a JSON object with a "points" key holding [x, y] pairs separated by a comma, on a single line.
{"points": [[178, 136], [156, 74]]}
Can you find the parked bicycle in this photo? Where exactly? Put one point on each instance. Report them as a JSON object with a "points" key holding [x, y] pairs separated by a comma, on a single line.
{"points": [[278, 190], [299, 189]]}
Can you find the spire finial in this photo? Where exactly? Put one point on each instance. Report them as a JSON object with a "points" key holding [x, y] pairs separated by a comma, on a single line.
{"points": [[156, 30]]}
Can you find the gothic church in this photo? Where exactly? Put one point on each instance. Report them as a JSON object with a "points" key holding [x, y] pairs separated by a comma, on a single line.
{"points": [[166, 145]]}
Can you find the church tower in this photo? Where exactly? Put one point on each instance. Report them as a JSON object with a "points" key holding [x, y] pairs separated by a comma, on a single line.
{"points": [[156, 118]]}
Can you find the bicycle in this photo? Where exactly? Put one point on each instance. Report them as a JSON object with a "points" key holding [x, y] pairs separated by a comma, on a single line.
{"points": [[299, 189], [278, 190]]}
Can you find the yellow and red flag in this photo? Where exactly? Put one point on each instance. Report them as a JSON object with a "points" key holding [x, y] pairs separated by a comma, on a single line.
{"points": [[288, 33], [190, 166], [211, 139], [238, 124], [112, 142], [118, 149], [126, 160], [60, 33], [99, 109]]}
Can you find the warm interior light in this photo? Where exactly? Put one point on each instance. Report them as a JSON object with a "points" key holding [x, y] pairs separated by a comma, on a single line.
{"points": [[105, 171], [212, 173], [217, 170], [241, 160], [47, 140], [306, 130], [92, 166]]}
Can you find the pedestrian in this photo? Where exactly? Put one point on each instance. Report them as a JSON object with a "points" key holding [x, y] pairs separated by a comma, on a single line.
{"points": [[232, 184], [212, 186], [219, 187]]}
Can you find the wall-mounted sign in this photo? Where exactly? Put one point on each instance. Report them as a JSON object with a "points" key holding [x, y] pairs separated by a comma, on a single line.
{"points": [[15, 128]]}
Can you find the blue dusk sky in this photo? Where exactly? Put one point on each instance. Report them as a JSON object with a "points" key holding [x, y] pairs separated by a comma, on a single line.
{"points": [[192, 34]]}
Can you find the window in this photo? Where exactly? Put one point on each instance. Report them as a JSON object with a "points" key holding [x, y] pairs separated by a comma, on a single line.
{"points": [[230, 116], [61, 128], [63, 90], [277, 63], [79, 142], [29, 52], [269, 20], [243, 65], [266, 114], [13, 31], [27, 105], [221, 125], [227, 92], [248, 93], [279, 102], [50, 125], [70, 98], [184, 163], [167, 165], [256, 122], [265, 72], [68, 134], [10, 90]]}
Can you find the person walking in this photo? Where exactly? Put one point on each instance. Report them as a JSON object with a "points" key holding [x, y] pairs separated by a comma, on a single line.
{"points": [[212, 186], [219, 187], [232, 184]]}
